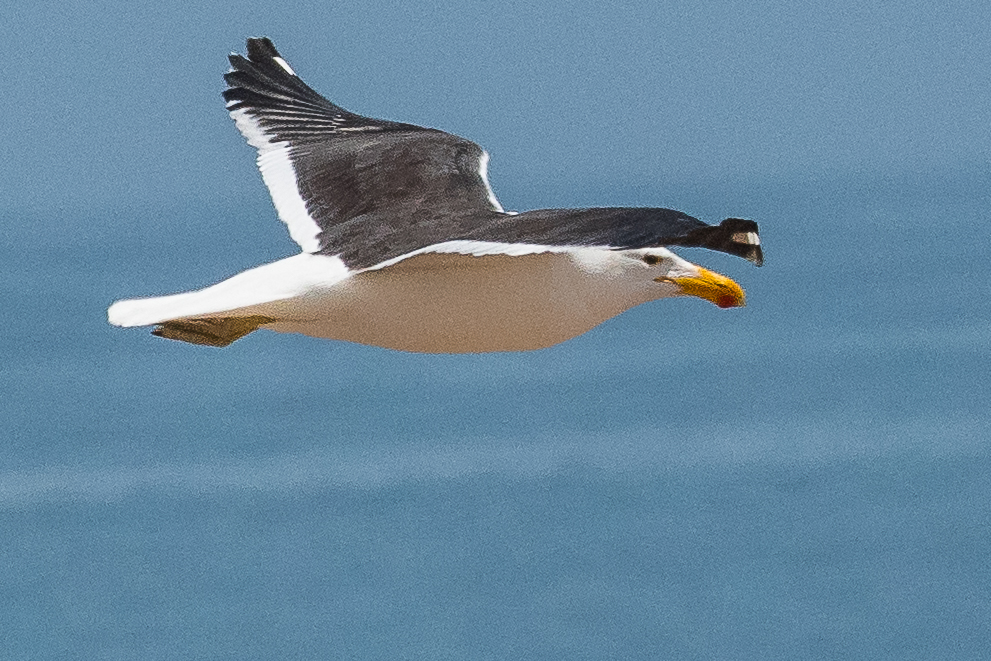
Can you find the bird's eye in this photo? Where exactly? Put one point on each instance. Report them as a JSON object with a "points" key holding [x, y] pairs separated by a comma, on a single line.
{"points": [[651, 260]]}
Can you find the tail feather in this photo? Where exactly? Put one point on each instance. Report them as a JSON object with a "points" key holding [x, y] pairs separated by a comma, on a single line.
{"points": [[262, 294], [149, 311]]}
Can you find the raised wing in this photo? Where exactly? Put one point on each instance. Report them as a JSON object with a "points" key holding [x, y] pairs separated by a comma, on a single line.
{"points": [[348, 185]]}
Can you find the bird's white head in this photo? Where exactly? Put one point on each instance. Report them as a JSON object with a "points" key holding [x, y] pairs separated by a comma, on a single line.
{"points": [[665, 274]]}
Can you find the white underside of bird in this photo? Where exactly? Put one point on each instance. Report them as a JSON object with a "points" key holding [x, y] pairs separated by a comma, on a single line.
{"points": [[431, 302]]}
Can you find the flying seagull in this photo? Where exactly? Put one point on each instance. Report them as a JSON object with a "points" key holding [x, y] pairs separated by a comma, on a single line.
{"points": [[405, 246]]}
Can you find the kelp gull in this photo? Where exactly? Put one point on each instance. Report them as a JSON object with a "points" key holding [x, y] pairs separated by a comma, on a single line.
{"points": [[405, 246]]}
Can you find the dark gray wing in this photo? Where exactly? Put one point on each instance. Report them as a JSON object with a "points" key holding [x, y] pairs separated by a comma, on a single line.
{"points": [[371, 190], [361, 188], [623, 228]]}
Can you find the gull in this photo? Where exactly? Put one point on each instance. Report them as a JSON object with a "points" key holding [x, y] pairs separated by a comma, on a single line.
{"points": [[404, 244]]}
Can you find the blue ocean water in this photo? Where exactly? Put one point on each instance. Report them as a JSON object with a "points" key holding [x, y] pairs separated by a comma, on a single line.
{"points": [[808, 477]]}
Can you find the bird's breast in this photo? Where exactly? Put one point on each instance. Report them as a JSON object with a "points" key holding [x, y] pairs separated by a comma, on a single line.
{"points": [[451, 303]]}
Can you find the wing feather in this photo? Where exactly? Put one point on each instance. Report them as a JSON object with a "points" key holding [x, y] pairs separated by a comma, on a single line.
{"points": [[373, 191]]}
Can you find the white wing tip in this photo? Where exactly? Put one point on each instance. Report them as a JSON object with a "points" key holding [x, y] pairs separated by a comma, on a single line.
{"points": [[749, 238], [285, 65]]}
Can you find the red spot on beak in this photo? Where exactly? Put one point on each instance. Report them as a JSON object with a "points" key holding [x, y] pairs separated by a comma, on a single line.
{"points": [[727, 302]]}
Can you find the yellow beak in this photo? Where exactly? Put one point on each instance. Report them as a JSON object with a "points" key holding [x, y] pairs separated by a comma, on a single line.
{"points": [[711, 286]]}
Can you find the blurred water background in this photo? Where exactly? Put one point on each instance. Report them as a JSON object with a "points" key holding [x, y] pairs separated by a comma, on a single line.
{"points": [[807, 477]]}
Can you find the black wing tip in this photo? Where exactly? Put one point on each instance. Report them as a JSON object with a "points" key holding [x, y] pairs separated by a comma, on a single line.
{"points": [[263, 77], [740, 237], [734, 236], [262, 54], [261, 48], [754, 255]]}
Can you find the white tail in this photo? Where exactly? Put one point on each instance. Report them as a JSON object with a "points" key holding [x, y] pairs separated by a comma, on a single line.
{"points": [[246, 292]]}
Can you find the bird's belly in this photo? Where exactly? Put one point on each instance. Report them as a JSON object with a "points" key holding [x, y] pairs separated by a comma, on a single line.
{"points": [[459, 304]]}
